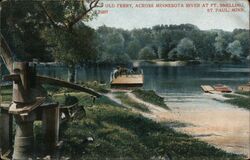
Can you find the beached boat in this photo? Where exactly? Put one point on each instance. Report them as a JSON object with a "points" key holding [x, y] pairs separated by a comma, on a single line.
{"points": [[126, 78], [244, 87], [222, 88], [219, 88]]}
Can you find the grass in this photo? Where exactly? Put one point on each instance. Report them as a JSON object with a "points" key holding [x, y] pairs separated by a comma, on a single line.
{"points": [[244, 93], [6, 93], [102, 88], [176, 124], [240, 101], [128, 101], [151, 97]]}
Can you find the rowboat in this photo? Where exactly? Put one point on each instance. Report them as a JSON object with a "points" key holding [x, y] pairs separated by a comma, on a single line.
{"points": [[216, 89]]}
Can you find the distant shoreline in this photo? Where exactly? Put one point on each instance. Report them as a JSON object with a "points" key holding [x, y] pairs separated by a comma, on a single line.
{"points": [[157, 62], [161, 62]]}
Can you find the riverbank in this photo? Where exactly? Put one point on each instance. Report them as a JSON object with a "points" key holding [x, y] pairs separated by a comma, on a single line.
{"points": [[120, 130], [240, 99], [162, 62], [206, 117], [157, 62]]}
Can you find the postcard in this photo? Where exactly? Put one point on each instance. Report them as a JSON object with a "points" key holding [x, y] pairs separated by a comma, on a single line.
{"points": [[125, 79]]}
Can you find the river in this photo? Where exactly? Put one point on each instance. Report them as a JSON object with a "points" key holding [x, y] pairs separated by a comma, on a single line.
{"points": [[220, 124]]}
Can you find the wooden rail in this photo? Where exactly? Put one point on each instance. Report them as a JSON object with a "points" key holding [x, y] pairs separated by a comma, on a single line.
{"points": [[6, 54], [61, 83]]}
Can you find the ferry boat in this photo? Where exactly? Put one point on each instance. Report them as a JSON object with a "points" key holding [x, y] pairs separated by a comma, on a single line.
{"points": [[126, 78]]}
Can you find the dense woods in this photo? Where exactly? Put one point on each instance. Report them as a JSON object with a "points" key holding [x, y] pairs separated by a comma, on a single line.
{"points": [[52, 31], [173, 42]]}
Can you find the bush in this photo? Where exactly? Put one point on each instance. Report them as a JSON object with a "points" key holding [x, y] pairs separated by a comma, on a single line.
{"points": [[151, 97], [146, 53]]}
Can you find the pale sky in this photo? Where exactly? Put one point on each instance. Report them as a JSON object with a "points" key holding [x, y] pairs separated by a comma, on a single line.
{"points": [[130, 18]]}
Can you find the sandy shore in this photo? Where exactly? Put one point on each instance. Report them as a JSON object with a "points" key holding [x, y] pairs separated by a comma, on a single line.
{"points": [[217, 123]]}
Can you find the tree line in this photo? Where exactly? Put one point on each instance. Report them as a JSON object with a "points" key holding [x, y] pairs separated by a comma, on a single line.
{"points": [[172, 42], [56, 31]]}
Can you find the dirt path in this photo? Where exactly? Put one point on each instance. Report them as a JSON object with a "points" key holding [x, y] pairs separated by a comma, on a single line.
{"points": [[217, 123]]}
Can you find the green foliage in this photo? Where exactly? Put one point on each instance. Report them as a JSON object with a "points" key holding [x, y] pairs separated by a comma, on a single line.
{"points": [[235, 50], [133, 48], [243, 37], [111, 46], [146, 53], [70, 100], [6, 94], [151, 97], [186, 49], [21, 23], [240, 101], [48, 30], [244, 93], [102, 88], [174, 42], [72, 48], [221, 43]]}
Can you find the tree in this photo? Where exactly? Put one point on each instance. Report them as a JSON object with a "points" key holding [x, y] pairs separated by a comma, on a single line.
{"points": [[221, 42], [66, 18], [162, 39], [235, 49], [205, 45], [133, 48], [71, 49], [146, 53], [65, 15], [30, 18], [21, 23], [173, 54], [112, 46], [186, 49], [244, 39]]}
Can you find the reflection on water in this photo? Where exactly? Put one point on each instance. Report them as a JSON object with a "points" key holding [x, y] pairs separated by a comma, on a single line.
{"points": [[218, 123], [166, 79]]}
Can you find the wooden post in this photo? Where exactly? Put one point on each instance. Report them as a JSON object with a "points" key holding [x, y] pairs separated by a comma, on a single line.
{"points": [[24, 138], [5, 130], [23, 97], [51, 128], [22, 92]]}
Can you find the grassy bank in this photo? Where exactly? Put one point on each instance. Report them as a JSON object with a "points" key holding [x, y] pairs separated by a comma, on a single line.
{"points": [[151, 97], [240, 101], [128, 101], [118, 133]]}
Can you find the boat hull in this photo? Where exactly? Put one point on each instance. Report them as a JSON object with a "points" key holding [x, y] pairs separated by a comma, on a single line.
{"points": [[216, 89], [125, 81]]}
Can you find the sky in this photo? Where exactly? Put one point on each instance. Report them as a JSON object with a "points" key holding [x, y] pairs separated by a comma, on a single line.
{"points": [[206, 14]]}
